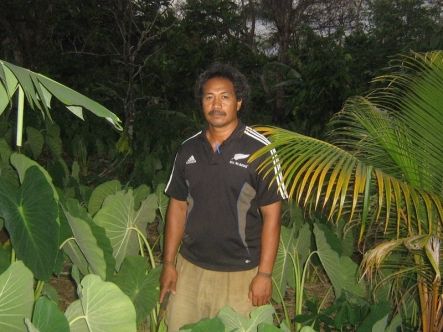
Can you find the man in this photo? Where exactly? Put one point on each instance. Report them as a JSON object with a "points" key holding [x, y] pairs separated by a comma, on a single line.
{"points": [[223, 215]]}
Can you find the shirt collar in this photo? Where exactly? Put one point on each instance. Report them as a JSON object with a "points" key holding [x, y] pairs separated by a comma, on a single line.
{"points": [[238, 131]]}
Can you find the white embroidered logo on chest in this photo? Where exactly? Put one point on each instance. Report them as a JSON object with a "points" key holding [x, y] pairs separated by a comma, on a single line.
{"points": [[237, 157], [191, 160]]}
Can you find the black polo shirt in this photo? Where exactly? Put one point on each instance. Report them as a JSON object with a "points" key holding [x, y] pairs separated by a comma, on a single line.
{"points": [[223, 192]]}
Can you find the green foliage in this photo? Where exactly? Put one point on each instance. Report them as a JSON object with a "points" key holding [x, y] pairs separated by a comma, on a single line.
{"points": [[16, 298], [38, 90], [48, 317], [380, 173], [324, 83], [100, 193], [347, 313], [30, 214], [140, 283], [35, 141], [213, 324], [5, 256], [341, 270], [101, 306], [91, 241], [234, 321], [294, 246], [155, 83], [123, 224], [260, 319]]}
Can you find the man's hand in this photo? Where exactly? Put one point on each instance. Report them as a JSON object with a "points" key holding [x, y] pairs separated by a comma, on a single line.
{"points": [[260, 290], [168, 280]]}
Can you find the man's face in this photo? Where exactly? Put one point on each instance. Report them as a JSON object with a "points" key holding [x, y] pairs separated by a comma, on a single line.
{"points": [[219, 102]]}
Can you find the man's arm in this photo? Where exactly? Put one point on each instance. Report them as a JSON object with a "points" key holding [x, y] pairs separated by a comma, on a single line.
{"points": [[260, 290], [175, 226]]}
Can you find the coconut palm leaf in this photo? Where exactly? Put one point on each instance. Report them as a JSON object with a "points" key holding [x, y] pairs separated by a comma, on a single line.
{"points": [[326, 177], [381, 166], [385, 159]]}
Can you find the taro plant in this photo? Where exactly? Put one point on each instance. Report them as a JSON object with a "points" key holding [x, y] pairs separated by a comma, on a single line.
{"points": [[333, 253], [381, 168], [106, 247], [106, 242], [260, 319]]}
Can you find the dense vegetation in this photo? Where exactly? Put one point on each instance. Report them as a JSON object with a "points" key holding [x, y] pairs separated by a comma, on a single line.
{"points": [[140, 59], [304, 59]]}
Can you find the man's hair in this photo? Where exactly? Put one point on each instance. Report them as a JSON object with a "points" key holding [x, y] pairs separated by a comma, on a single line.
{"points": [[241, 86]]}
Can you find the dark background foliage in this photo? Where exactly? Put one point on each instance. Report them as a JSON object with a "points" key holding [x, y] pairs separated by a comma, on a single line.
{"points": [[140, 58]]}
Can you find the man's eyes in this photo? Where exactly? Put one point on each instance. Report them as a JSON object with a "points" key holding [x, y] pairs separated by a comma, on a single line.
{"points": [[222, 97]]}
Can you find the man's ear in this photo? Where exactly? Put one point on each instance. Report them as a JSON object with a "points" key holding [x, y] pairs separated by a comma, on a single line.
{"points": [[239, 102]]}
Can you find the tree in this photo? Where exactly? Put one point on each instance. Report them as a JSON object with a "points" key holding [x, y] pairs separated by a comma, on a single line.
{"points": [[403, 25], [382, 168]]}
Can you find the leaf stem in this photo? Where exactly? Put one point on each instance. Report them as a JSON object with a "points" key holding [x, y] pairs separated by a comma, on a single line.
{"points": [[148, 247], [78, 318], [66, 241], [285, 309], [38, 289], [20, 112], [13, 258]]}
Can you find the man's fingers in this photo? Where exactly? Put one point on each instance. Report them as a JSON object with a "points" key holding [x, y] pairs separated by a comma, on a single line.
{"points": [[172, 287], [169, 287], [162, 295], [258, 300]]}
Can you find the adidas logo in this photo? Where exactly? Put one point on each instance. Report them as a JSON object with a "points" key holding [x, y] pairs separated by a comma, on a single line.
{"points": [[191, 160]]}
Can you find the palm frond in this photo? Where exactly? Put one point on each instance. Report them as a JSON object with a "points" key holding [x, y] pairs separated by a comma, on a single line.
{"points": [[399, 127], [337, 182], [385, 160]]}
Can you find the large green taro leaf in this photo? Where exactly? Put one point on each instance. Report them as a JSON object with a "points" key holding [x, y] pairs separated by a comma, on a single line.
{"points": [[22, 163], [377, 319], [87, 243], [16, 297], [283, 264], [5, 256], [47, 316], [140, 194], [101, 307], [205, 325], [35, 141], [162, 199], [100, 193], [234, 321], [30, 214], [283, 272], [341, 270], [122, 223], [76, 256], [141, 286], [91, 240]]}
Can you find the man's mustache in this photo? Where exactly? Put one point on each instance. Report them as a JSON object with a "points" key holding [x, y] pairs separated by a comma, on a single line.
{"points": [[216, 112]]}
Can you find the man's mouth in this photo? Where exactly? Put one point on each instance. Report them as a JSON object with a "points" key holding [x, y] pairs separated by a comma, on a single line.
{"points": [[217, 113]]}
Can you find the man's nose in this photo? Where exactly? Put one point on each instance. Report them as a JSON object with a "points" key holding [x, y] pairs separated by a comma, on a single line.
{"points": [[216, 102]]}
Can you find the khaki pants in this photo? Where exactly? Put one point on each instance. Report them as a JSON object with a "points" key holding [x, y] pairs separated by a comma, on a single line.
{"points": [[202, 293]]}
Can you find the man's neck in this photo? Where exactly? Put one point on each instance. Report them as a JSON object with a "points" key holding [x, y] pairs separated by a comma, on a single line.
{"points": [[217, 135]]}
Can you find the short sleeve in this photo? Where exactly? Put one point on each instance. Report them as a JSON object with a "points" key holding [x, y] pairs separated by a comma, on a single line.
{"points": [[270, 186], [176, 186]]}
